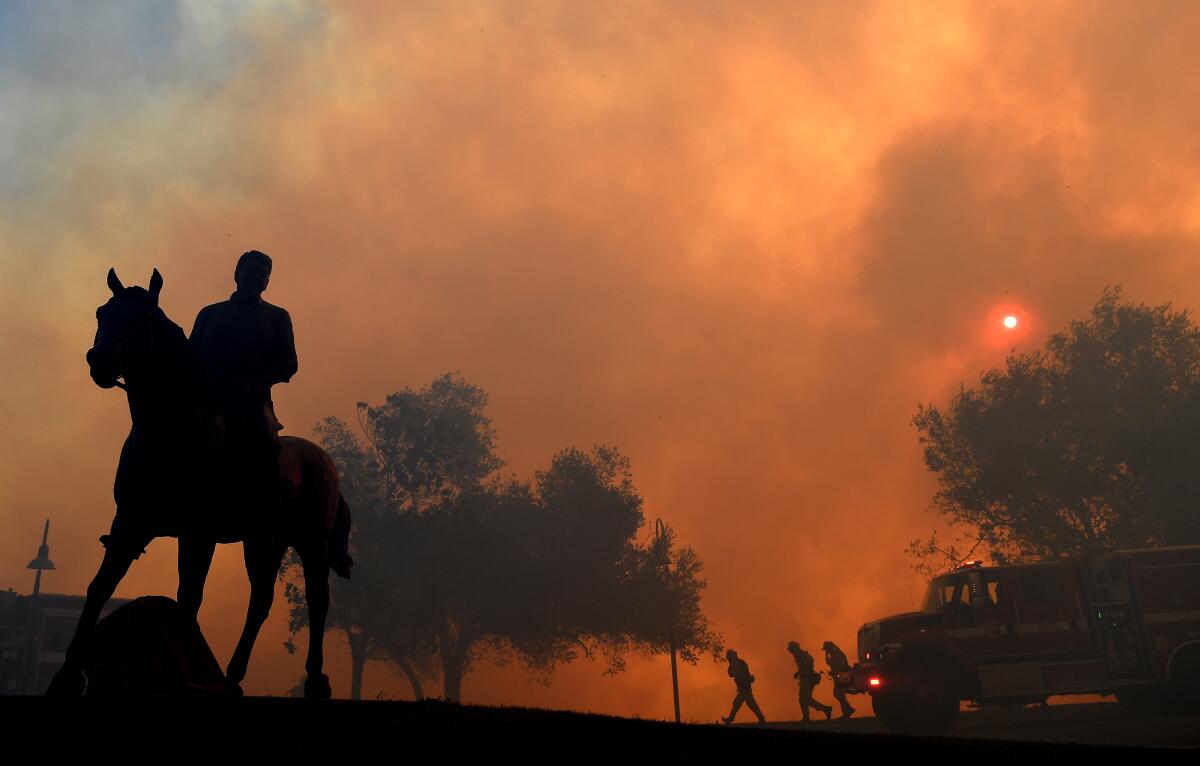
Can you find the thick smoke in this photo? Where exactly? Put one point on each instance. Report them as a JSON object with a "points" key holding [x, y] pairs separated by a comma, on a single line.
{"points": [[739, 242]]}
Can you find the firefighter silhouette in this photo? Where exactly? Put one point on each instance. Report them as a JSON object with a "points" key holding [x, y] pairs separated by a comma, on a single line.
{"points": [[808, 677], [739, 671], [838, 664]]}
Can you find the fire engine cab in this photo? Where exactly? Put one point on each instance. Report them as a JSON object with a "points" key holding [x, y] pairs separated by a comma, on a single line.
{"points": [[1127, 623]]}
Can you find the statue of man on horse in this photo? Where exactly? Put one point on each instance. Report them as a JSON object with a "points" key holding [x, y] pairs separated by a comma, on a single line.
{"points": [[203, 461]]}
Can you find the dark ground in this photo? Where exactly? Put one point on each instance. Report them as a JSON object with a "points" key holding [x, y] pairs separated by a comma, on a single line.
{"points": [[166, 729], [1104, 723]]}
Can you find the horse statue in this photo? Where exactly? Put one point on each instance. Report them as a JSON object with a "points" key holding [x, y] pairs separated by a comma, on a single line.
{"points": [[172, 482]]}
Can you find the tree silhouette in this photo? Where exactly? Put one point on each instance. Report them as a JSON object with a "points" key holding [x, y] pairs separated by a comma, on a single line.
{"points": [[468, 565], [370, 608], [1086, 446]]}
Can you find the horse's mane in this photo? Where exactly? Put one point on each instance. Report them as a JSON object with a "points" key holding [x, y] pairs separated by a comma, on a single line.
{"points": [[182, 357], [168, 325], [174, 335]]}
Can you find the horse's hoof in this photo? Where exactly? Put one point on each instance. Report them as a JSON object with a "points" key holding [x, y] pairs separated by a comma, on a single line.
{"points": [[341, 565], [67, 682], [234, 689], [317, 687]]}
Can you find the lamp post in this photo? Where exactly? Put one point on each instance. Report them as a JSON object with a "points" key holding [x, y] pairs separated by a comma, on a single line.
{"points": [[42, 561], [32, 637], [664, 561]]}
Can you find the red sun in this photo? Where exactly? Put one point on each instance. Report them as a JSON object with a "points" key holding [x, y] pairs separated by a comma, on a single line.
{"points": [[1008, 323]]}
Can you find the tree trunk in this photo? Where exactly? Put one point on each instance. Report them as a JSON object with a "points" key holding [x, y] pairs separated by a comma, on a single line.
{"points": [[452, 680], [454, 657], [358, 659], [413, 680]]}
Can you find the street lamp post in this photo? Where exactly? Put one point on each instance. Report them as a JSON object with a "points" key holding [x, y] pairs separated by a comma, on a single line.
{"points": [[33, 637], [660, 540], [42, 561]]}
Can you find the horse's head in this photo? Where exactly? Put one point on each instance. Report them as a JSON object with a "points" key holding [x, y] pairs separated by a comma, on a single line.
{"points": [[124, 328]]}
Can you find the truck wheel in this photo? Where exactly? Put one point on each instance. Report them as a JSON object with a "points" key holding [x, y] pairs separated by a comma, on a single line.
{"points": [[1183, 674], [922, 703], [934, 708], [886, 709]]}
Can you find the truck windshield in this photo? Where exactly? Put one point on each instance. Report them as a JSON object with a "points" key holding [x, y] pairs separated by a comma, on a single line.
{"points": [[945, 590]]}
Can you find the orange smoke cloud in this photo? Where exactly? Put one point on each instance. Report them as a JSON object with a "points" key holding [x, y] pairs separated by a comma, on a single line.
{"points": [[739, 242]]}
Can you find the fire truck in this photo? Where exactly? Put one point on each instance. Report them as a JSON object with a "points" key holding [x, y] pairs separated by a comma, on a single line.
{"points": [[1126, 623]]}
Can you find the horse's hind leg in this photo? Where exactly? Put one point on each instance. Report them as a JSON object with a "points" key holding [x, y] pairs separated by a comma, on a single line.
{"points": [[262, 565], [69, 680], [316, 593], [195, 559]]}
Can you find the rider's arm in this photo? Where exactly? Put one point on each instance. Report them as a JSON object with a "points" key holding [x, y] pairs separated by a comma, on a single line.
{"points": [[284, 365]]}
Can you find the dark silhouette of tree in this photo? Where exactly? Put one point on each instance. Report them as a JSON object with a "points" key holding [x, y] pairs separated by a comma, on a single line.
{"points": [[431, 444], [1085, 446], [369, 609], [550, 570], [472, 565], [665, 596]]}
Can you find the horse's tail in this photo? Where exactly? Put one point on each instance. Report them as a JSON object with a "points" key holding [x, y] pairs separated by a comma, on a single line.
{"points": [[339, 540]]}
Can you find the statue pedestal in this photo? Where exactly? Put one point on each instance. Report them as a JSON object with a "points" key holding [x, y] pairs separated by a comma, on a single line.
{"points": [[149, 646]]}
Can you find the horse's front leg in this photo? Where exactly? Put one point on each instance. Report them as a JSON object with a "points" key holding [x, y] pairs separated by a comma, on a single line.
{"points": [[262, 565], [316, 593], [70, 680], [195, 559]]}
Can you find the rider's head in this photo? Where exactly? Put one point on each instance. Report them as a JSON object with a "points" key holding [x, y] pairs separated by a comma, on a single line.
{"points": [[793, 647], [252, 272]]}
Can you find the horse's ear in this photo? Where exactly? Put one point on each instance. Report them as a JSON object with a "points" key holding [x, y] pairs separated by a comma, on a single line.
{"points": [[156, 283], [114, 284]]}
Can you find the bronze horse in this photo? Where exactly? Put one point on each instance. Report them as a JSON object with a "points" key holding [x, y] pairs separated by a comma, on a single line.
{"points": [[172, 482]]}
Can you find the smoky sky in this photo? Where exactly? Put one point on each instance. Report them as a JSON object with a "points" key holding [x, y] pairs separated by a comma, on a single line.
{"points": [[741, 242]]}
